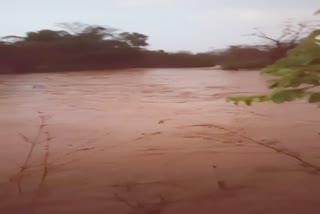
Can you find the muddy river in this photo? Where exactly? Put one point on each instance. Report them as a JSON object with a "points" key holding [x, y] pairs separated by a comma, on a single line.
{"points": [[157, 141]]}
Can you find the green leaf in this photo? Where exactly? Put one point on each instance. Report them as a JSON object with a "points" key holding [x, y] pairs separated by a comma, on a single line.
{"points": [[317, 12], [286, 71], [262, 98], [248, 100], [280, 97], [234, 100], [273, 83], [314, 98], [287, 95]]}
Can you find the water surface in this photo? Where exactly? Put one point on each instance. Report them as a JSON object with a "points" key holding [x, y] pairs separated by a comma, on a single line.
{"points": [[154, 141]]}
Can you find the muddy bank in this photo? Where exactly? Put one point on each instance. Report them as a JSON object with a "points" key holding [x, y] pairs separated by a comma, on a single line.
{"points": [[154, 141]]}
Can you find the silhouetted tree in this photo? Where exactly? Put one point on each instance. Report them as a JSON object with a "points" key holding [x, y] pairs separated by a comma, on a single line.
{"points": [[296, 76], [83, 47], [44, 36], [244, 57], [290, 35], [136, 40]]}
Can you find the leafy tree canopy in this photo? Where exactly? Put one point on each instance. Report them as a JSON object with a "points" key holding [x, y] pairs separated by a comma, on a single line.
{"points": [[297, 75]]}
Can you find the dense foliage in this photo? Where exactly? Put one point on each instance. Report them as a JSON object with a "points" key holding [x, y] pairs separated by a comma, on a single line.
{"points": [[245, 57], [86, 47], [298, 74]]}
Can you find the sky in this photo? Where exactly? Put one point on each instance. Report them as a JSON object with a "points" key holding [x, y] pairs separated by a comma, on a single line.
{"points": [[172, 25]]}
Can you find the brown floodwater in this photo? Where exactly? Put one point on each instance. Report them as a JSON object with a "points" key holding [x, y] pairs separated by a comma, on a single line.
{"points": [[154, 141]]}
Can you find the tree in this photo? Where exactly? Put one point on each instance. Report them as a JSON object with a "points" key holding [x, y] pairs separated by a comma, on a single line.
{"points": [[45, 36], [11, 39], [290, 35], [243, 57], [87, 47], [135, 40], [298, 75], [86, 31]]}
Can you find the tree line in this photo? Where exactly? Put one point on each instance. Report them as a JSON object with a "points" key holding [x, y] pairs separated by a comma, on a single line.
{"points": [[91, 47], [87, 47]]}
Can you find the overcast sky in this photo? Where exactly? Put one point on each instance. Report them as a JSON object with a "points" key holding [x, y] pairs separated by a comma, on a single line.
{"points": [[173, 25]]}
